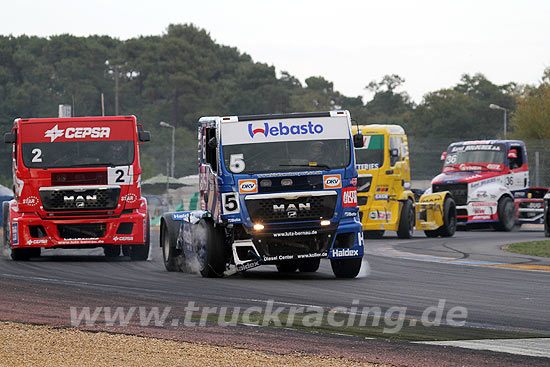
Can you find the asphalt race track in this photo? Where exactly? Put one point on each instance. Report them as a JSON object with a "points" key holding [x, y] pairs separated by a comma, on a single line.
{"points": [[499, 290]]}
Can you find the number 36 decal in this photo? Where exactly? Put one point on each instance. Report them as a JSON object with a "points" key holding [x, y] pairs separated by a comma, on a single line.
{"points": [[121, 175], [230, 202]]}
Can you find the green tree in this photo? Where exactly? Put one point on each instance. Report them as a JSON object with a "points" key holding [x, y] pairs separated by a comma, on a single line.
{"points": [[532, 117]]}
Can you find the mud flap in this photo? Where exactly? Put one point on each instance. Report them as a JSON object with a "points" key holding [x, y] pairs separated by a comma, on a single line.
{"points": [[429, 211]]}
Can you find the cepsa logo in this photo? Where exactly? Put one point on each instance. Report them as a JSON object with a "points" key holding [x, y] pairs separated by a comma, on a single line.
{"points": [[349, 197], [77, 132], [275, 130], [332, 182], [248, 186]]}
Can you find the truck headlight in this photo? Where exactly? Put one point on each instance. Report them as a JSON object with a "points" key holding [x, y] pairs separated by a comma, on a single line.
{"points": [[258, 227]]}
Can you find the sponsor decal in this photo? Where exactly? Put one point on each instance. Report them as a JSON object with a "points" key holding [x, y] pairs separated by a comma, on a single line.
{"points": [[295, 233], [344, 252], [498, 167], [292, 257], [349, 197], [350, 214], [77, 133], [248, 186], [535, 205], [37, 242], [123, 238], [466, 148], [381, 196], [481, 217], [473, 177], [15, 234], [300, 173], [476, 204], [353, 181], [332, 182], [248, 265], [367, 166], [465, 167], [78, 241], [382, 189], [380, 215], [30, 201], [519, 194], [274, 130], [130, 198], [233, 220], [179, 216]]}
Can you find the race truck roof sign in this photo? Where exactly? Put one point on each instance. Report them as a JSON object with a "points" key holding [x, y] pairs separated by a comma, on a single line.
{"points": [[43, 132], [292, 129]]}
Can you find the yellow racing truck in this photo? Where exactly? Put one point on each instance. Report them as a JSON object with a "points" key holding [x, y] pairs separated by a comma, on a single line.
{"points": [[384, 195]]}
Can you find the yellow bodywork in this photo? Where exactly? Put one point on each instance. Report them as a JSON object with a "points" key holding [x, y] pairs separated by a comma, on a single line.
{"points": [[384, 183]]}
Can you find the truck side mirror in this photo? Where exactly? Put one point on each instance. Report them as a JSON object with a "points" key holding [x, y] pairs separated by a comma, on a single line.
{"points": [[213, 143], [144, 135], [358, 141], [443, 156], [10, 138]]}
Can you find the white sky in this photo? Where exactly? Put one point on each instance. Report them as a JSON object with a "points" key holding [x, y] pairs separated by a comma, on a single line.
{"points": [[430, 43]]}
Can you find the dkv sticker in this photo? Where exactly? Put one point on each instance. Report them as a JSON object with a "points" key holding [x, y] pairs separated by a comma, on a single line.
{"points": [[248, 186], [332, 182]]}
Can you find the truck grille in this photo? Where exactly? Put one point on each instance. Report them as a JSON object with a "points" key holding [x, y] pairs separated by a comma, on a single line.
{"points": [[81, 199], [458, 190], [274, 210], [81, 230]]}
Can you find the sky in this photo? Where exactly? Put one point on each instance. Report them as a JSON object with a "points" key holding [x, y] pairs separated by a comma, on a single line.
{"points": [[429, 43]]}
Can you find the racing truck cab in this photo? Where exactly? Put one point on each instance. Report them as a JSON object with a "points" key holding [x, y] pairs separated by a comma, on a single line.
{"points": [[77, 185], [385, 198], [489, 180], [274, 189]]}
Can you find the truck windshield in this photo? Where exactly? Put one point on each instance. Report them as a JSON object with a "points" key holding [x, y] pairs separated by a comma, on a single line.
{"points": [[371, 155], [287, 155], [475, 157], [78, 154]]}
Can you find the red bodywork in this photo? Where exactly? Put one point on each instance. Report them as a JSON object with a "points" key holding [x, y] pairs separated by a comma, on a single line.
{"points": [[83, 204]]}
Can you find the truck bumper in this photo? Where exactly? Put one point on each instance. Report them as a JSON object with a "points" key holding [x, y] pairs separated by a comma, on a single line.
{"points": [[477, 212], [29, 230]]}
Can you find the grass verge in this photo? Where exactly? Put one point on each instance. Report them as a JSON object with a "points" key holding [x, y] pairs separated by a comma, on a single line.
{"points": [[533, 248]]}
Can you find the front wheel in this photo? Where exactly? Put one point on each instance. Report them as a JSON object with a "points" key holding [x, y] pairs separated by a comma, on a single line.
{"points": [[24, 254], [448, 228], [170, 253], [506, 214], [406, 221], [309, 265], [111, 250], [141, 252], [6, 224], [211, 250], [346, 268], [287, 266]]}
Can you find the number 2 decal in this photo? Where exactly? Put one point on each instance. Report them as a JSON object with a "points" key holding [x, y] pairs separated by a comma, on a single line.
{"points": [[37, 155], [121, 175]]}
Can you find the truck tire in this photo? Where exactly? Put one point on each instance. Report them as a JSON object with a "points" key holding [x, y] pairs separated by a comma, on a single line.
{"points": [[170, 254], [448, 228], [374, 235], [288, 266], [111, 250], [346, 268], [309, 265], [406, 221], [141, 252], [506, 214], [24, 254], [431, 233], [546, 218], [211, 252]]}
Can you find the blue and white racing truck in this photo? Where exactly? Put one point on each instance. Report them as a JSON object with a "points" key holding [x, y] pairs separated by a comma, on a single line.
{"points": [[274, 189]]}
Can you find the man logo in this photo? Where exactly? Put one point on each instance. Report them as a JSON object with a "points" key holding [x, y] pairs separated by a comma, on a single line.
{"points": [[291, 209]]}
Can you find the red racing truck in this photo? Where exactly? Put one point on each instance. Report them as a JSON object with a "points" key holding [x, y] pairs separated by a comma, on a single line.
{"points": [[77, 184]]}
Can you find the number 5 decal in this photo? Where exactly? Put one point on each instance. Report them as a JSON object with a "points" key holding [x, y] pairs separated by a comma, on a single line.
{"points": [[230, 202], [236, 163], [121, 175]]}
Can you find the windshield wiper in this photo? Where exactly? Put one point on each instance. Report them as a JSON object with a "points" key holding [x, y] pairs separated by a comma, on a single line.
{"points": [[100, 164], [306, 165]]}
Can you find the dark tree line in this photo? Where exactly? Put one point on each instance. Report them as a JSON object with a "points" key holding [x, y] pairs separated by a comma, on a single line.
{"points": [[183, 74]]}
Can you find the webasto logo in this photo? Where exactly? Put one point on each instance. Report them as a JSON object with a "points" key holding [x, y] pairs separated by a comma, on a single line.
{"points": [[280, 129]]}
